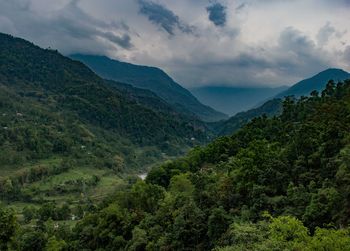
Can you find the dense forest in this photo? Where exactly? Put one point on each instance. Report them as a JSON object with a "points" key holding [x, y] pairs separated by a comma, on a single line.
{"points": [[69, 138], [279, 183], [58, 119]]}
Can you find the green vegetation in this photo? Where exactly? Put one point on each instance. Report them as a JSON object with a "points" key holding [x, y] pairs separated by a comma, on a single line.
{"points": [[270, 108], [153, 79], [315, 83], [279, 183], [273, 107], [69, 140], [64, 131]]}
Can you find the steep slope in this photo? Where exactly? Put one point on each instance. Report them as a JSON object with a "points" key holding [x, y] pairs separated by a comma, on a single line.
{"points": [[146, 98], [317, 82], [232, 100], [270, 108], [153, 79], [279, 183], [57, 116], [274, 107]]}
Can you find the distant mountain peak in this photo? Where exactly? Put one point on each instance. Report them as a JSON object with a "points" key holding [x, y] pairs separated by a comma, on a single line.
{"points": [[316, 82], [333, 70]]}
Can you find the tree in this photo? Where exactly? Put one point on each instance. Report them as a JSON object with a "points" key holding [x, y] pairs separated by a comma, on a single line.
{"points": [[189, 227], [322, 208], [31, 239], [55, 245], [330, 239], [8, 227], [29, 213], [139, 240], [218, 223]]}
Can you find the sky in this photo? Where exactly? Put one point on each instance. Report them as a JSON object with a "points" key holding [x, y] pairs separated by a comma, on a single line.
{"points": [[197, 42]]}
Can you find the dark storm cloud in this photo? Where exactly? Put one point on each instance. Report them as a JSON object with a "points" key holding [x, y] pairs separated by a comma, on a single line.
{"points": [[293, 40], [81, 25], [204, 47], [165, 18], [295, 56], [123, 41], [217, 14], [67, 28]]}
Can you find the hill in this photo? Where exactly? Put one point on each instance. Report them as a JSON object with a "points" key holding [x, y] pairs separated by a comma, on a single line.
{"points": [[232, 100], [274, 107], [278, 183], [270, 108], [153, 79], [317, 82], [65, 131]]}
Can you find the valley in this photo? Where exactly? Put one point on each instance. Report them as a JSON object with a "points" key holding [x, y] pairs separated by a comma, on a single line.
{"points": [[99, 151], [69, 136]]}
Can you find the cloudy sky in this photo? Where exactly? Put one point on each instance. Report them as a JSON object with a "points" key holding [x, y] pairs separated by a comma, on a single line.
{"points": [[198, 42]]}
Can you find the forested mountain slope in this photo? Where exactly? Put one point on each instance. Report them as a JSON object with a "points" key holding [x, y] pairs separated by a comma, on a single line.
{"points": [[64, 131], [279, 183], [153, 79], [43, 80], [270, 108], [273, 107], [293, 167], [315, 83]]}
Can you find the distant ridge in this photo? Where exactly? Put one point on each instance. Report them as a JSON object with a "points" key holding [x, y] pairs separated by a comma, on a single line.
{"points": [[317, 82], [56, 106], [270, 108], [153, 79], [274, 107], [232, 100]]}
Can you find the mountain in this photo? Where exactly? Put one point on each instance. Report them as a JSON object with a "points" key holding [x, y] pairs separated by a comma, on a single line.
{"points": [[317, 82], [62, 125], [273, 107], [232, 100], [270, 108], [153, 79], [279, 183]]}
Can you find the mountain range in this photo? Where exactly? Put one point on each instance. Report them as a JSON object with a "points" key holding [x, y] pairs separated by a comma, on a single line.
{"points": [[232, 100], [273, 106], [54, 106], [153, 79], [315, 83], [72, 143]]}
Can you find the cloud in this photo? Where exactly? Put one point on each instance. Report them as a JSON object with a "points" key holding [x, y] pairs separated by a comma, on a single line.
{"points": [[217, 14], [293, 40], [325, 33], [243, 42], [68, 28], [123, 41], [347, 54], [165, 18], [241, 7]]}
